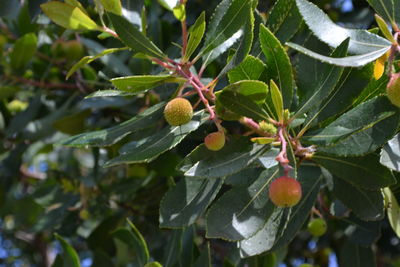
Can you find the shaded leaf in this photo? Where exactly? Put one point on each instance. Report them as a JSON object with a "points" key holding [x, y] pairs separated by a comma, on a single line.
{"points": [[390, 154], [352, 255], [388, 9], [70, 257], [138, 84], [250, 69], [23, 51]]}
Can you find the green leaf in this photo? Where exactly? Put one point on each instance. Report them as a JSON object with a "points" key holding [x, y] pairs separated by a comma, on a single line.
{"points": [[393, 210], [135, 242], [366, 204], [70, 257], [352, 255], [254, 90], [384, 28], [108, 93], [132, 37], [179, 12], [243, 211], [169, 4], [278, 64], [78, 4], [364, 172], [373, 89], [242, 105], [361, 41], [390, 154], [364, 129], [250, 69], [8, 91], [89, 59], [350, 61], [68, 16], [149, 148], [23, 51], [226, 21], [313, 90], [282, 226], [204, 260], [388, 9], [138, 84], [196, 32], [184, 203], [110, 136], [363, 233], [284, 20], [277, 101], [113, 6], [153, 264], [236, 155]]}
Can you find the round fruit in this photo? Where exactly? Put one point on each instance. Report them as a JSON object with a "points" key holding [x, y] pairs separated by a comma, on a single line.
{"points": [[285, 191], [178, 111], [268, 127], [317, 227], [393, 89], [215, 141], [73, 50]]}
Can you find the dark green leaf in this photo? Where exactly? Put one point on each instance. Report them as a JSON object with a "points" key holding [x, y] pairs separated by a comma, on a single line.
{"points": [[352, 255], [133, 38], [388, 9], [149, 148], [365, 172], [243, 211], [23, 51], [366, 204], [250, 69], [363, 233], [278, 64], [70, 257], [183, 204], [204, 259], [138, 84], [390, 154]]}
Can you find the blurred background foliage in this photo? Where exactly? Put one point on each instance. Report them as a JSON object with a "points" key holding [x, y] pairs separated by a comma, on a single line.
{"points": [[47, 188]]}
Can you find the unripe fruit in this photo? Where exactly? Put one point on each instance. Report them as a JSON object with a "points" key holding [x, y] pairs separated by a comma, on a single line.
{"points": [[393, 89], [178, 111], [70, 50], [306, 265], [215, 141], [285, 191], [317, 227], [268, 127]]}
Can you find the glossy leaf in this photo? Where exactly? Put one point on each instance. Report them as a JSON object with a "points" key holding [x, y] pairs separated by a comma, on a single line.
{"points": [[68, 16], [384, 28], [149, 148], [113, 6], [138, 84], [89, 59], [373, 123], [196, 33], [250, 69], [366, 204], [23, 51], [393, 210], [364, 172], [390, 154], [70, 256], [361, 41], [109, 93], [254, 90], [134, 38], [278, 64], [234, 156], [284, 20], [243, 211], [183, 204]]}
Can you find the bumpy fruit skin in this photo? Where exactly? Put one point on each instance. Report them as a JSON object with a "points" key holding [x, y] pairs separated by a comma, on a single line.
{"points": [[393, 90], [215, 141], [178, 111], [317, 227], [268, 127], [285, 191]]}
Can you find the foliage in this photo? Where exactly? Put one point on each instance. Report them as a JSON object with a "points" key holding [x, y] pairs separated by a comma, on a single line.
{"points": [[93, 174]]}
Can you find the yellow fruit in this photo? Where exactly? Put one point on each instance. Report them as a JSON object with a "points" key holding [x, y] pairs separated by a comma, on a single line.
{"points": [[215, 141], [178, 111], [393, 90]]}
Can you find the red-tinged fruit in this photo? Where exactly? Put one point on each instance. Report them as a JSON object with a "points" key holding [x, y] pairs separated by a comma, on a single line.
{"points": [[285, 191], [393, 89], [178, 111], [317, 227], [215, 141]]}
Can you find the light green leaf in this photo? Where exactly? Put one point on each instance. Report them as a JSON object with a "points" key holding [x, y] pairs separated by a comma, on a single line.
{"points": [[153, 264], [134, 38], [250, 69], [179, 12], [196, 32], [89, 59], [393, 210], [384, 28], [68, 16], [113, 6], [23, 51], [278, 64], [149, 148], [70, 257], [277, 100], [361, 41], [169, 4], [78, 4], [365, 172], [138, 84]]}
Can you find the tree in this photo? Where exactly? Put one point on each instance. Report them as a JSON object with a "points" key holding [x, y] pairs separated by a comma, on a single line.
{"points": [[160, 147]]}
